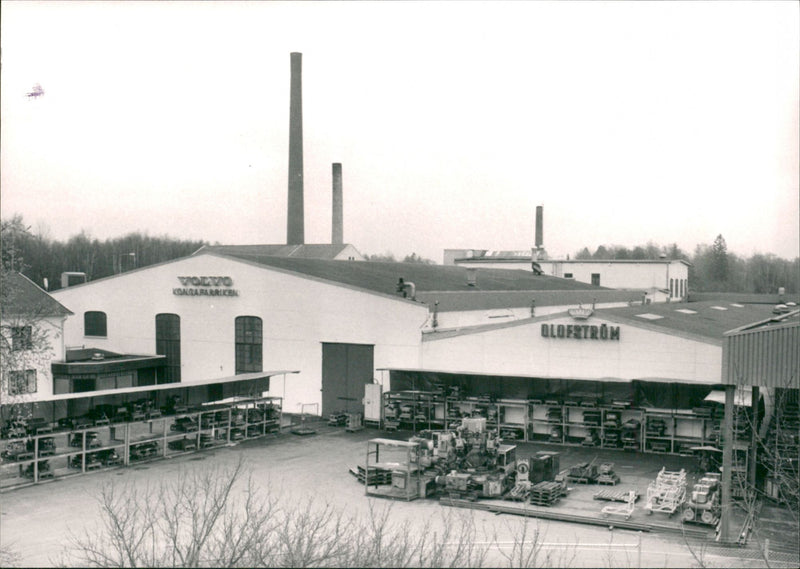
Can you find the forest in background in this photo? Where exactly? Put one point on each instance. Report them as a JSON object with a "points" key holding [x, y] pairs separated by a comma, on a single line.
{"points": [[713, 268]]}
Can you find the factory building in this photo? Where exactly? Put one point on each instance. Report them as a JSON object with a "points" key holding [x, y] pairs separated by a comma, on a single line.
{"points": [[660, 280], [336, 322]]}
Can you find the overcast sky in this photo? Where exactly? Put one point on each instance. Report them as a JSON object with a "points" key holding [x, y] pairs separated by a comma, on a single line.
{"points": [[627, 121]]}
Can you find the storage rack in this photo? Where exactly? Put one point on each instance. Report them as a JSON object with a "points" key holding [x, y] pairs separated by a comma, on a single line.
{"points": [[414, 410], [37, 452], [569, 422]]}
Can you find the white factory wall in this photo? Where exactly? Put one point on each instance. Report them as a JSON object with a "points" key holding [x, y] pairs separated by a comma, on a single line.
{"points": [[620, 274], [522, 350], [647, 276], [298, 315]]}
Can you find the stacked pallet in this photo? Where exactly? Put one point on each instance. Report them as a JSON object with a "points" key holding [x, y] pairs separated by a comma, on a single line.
{"points": [[376, 476], [545, 493]]}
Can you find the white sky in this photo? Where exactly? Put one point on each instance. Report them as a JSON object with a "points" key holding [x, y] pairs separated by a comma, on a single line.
{"points": [[627, 121]]}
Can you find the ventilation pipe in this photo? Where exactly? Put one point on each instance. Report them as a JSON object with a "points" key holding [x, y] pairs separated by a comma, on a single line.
{"points": [[472, 277], [406, 287]]}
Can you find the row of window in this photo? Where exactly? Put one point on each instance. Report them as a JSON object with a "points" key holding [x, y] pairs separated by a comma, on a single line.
{"points": [[678, 287], [248, 339]]}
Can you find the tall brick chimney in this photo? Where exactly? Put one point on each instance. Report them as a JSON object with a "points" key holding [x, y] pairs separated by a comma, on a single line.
{"points": [[337, 222], [294, 218]]}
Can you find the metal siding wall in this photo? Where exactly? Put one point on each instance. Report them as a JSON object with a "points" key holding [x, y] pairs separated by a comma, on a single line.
{"points": [[768, 357]]}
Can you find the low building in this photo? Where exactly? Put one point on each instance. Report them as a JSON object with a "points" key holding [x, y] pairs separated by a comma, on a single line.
{"points": [[661, 280], [32, 338]]}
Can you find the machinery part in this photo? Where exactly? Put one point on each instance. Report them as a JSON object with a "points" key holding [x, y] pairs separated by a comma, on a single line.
{"points": [[688, 515], [708, 517]]}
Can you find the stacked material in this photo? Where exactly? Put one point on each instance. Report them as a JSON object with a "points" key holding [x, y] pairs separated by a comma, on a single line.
{"points": [[545, 493], [607, 474], [376, 476], [667, 492]]}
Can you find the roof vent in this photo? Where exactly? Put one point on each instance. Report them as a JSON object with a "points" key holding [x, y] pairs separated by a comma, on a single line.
{"points": [[97, 356], [472, 277]]}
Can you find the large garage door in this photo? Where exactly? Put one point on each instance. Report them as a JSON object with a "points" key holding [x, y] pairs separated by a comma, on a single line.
{"points": [[345, 370]]}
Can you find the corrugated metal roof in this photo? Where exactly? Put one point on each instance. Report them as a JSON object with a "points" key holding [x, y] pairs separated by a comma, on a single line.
{"points": [[765, 353], [21, 296], [382, 277]]}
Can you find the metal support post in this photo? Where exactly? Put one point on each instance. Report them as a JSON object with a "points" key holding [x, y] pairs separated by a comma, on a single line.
{"points": [[727, 467]]}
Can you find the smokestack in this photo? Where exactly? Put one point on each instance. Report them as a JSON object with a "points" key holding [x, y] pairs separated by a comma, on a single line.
{"points": [[294, 220], [337, 225], [539, 226]]}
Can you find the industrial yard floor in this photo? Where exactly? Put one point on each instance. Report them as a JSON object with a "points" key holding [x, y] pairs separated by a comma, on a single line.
{"points": [[36, 521]]}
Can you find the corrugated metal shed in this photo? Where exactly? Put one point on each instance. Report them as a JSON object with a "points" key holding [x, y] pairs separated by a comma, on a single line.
{"points": [[766, 353]]}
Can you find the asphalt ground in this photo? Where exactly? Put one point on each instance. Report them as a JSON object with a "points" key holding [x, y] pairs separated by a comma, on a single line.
{"points": [[36, 521]]}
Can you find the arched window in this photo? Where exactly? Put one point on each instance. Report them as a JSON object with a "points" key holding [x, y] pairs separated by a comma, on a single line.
{"points": [[168, 343], [94, 324], [248, 344]]}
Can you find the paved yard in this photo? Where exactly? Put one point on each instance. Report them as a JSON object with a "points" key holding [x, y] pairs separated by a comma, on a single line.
{"points": [[36, 521]]}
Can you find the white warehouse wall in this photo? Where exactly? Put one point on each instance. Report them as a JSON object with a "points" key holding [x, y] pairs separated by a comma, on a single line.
{"points": [[298, 314], [521, 350]]}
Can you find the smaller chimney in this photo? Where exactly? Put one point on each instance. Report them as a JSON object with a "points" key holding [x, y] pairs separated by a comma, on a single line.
{"points": [[539, 226], [337, 222]]}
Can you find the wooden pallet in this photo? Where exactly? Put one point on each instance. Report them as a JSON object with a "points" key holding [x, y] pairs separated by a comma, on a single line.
{"points": [[545, 493], [610, 479], [613, 495], [376, 476]]}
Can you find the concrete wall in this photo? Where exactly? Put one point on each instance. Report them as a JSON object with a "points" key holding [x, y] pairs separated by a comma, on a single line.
{"points": [[298, 314], [522, 350], [349, 253]]}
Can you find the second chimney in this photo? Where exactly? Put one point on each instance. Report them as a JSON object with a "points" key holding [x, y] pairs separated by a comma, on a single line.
{"points": [[294, 215], [337, 223]]}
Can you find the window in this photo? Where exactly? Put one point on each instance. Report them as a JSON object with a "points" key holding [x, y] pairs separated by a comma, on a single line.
{"points": [[94, 324], [596, 279], [21, 338], [567, 275], [672, 287], [168, 343], [248, 344], [20, 382]]}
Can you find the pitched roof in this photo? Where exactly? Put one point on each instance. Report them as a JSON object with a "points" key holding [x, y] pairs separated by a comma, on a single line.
{"points": [[309, 251], [450, 301], [708, 319], [707, 323], [21, 296], [382, 277], [744, 297]]}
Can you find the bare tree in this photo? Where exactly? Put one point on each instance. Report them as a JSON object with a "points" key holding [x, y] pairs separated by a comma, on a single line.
{"points": [[216, 517]]}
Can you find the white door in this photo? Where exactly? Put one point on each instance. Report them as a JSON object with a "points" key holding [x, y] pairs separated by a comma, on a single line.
{"points": [[372, 402]]}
